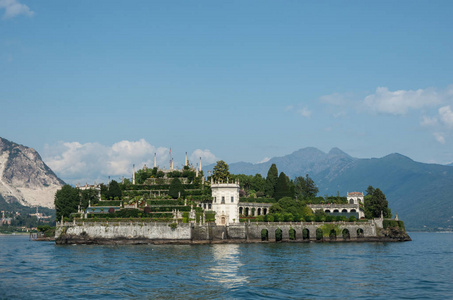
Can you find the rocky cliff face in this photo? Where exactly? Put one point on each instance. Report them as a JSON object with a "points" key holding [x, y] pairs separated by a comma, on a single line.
{"points": [[24, 177]]}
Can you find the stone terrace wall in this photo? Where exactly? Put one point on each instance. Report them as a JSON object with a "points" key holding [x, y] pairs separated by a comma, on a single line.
{"points": [[90, 232]]}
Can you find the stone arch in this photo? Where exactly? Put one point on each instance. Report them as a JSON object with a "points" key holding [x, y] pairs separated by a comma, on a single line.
{"points": [[264, 235], [253, 211], [336, 211], [292, 234], [332, 235], [360, 233], [241, 210], [319, 234], [259, 211], [351, 201], [305, 234], [246, 211], [327, 211], [264, 211], [353, 210], [278, 235], [346, 234], [222, 221], [344, 210]]}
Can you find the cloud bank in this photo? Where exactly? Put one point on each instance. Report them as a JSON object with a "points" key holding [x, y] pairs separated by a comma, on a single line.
{"points": [[400, 101], [75, 162], [13, 9]]}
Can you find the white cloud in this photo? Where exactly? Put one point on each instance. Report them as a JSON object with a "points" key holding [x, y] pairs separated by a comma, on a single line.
{"points": [[336, 99], [206, 157], [13, 8], [400, 101], [427, 121], [439, 137], [304, 112], [75, 162], [446, 116], [266, 159]]}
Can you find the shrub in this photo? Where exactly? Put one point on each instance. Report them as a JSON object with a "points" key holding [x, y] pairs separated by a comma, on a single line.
{"points": [[319, 234], [278, 235], [292, 234], [352, 219], [390, 224]]}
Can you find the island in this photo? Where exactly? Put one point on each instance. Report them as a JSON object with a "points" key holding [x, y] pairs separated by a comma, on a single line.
{"points": [[183, 206]]}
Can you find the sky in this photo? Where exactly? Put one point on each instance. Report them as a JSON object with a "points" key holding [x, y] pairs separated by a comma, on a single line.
{"points": [[97, 86]]}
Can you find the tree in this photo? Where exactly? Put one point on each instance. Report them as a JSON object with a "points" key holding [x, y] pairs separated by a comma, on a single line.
{"points": [[305, 187], [369, 190], [282, 188], [67, 200], [375, 204], [271, 180], [114, 190], [221, 171], [87, 196], [176, 188]]}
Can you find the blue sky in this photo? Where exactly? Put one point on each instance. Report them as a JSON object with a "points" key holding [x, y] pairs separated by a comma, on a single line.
{"points": [[96, 86]]}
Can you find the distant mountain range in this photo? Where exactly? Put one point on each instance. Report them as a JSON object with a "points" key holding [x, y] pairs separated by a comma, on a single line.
{"points": [[421, 194], [24, 177]]}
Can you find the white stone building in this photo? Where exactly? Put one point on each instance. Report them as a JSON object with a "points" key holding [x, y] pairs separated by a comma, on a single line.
{"points": [[225, 202], [355, 198]]}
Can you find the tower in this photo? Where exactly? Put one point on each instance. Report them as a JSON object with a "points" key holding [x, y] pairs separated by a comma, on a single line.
{"points": [[225, 202], [133, 174], [200, 164], [155, 161], [185, 161]]}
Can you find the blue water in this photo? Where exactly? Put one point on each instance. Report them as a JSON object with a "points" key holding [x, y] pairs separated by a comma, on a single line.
{"points": [[421, 269]]}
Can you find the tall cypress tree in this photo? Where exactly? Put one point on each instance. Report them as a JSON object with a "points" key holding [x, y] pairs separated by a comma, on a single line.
{"points": [[271, 180], [176, 188], [282, 188]]}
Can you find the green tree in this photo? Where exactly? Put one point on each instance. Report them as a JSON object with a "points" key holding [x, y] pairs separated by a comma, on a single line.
{"points": [[282, 189], [114, 190], [221, 171], [176, 188], [87, 196], [271, 180], [375, 204], [67, 200], [370, 190], [258, 183], [305, 188]]}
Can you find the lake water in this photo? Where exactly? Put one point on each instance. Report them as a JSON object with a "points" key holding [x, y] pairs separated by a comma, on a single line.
{"points": [[421, 269]]}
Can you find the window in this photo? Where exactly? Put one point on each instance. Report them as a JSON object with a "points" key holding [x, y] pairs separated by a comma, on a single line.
{"points": [[215, 200], [223, 200], [232, 199]]}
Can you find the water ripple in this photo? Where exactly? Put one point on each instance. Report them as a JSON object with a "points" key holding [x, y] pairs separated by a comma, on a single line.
{"points": [[422, 269]]}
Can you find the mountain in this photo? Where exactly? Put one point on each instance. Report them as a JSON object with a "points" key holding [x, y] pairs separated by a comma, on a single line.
{"points": [[24, 177], [421, 194]]}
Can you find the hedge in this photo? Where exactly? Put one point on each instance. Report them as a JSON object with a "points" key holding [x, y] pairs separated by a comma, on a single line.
{"points": [[109, 203], [393, 224], [257, 200]]}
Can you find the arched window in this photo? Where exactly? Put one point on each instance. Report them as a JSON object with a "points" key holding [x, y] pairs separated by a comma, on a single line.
{"points": [[232, 199], [351, 201], [346, 234], [360, 233], [344, 211], [333, 234]]}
